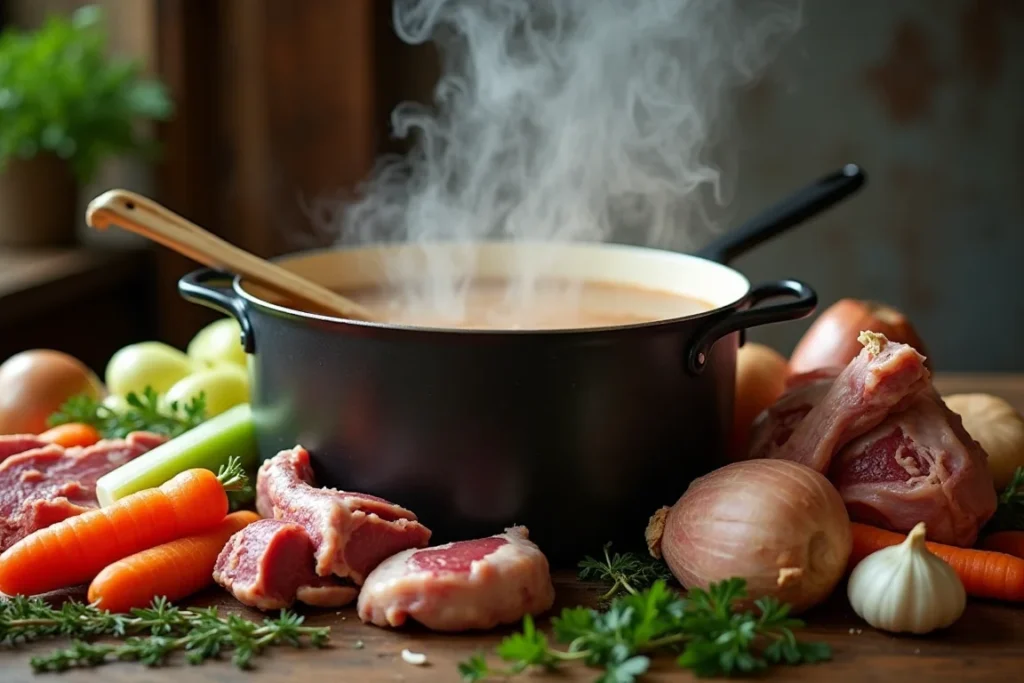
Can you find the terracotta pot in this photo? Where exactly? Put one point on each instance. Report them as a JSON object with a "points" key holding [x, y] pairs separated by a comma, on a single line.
{"points": [[37, 203]]}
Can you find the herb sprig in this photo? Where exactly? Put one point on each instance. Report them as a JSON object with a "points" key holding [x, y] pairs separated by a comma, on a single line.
{"points": [[624, 571], [144, 413], [150, 635], [1009, 515], [709, 635]]}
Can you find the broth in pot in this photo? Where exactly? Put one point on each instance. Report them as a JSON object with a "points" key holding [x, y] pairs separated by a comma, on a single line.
{"points": [[493, 304]]}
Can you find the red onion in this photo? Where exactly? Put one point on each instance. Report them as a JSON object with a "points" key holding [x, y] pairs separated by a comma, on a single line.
{"points": [[777, 524]]}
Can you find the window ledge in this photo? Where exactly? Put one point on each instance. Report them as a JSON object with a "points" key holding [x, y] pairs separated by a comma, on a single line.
{"points": [[34, 280]]}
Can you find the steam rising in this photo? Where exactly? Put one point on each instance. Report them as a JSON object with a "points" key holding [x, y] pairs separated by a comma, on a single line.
{"points": [[564, 120]]}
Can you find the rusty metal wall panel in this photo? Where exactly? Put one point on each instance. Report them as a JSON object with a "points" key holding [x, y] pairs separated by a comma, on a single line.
{"points": [[929, 97]]}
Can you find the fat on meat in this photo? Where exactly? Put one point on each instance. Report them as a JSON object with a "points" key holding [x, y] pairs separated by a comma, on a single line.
{"points": [[773, 427], [42, 486], [351, 532], [460, 586], [12, 444], [883, 378], [919, 465], [269, 565]]}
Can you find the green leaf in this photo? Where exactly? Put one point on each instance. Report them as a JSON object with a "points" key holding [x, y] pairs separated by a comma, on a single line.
{"points": [[62, 92], [626, 671], [473, 669]]}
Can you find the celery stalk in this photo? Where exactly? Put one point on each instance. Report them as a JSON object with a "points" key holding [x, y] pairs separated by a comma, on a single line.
{"points": [[208, 445]]}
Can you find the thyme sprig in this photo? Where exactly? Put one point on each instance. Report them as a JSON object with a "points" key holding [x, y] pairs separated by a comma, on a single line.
{"points": [[631, 572], [150, 636]]}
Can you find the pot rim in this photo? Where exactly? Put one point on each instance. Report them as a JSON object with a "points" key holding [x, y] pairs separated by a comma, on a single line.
{"points": [[626, 249]]}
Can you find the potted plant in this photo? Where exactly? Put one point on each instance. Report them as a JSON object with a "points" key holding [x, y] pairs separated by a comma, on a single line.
{"points": [[65, 107]]}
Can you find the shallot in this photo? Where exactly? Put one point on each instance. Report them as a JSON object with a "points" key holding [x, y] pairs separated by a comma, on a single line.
{"points": [[777, 524], [832, 340], [760, 380]]}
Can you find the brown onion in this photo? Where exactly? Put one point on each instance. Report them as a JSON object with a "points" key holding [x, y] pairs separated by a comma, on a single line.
{"points": [[832, 339], [760, 380], [34, 384], [777, 524]]}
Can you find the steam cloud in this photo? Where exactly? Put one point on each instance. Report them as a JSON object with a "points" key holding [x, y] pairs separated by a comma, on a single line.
{"points": [[565, 120]]}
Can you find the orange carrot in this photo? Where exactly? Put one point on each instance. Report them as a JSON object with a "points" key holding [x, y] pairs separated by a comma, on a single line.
{"points": [[74, 550], [1009, 542], [71, 434], [984, 573], [174, 570]]}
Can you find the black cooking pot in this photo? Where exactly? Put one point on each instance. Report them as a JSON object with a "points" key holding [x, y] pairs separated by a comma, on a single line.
{"points": [[578, 434]]}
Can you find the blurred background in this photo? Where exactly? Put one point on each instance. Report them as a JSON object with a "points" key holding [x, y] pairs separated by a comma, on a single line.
{"points": [[276, 103]]}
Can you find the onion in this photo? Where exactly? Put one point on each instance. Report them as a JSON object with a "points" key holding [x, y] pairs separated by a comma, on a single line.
{"points": [[777, 524], [832, 339], [760, 380], [34, 384]]}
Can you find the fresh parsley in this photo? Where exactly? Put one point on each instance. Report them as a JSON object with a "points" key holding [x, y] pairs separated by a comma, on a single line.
{"points": [[624, 571], [149, 636], [143, 413], [704, 629]]}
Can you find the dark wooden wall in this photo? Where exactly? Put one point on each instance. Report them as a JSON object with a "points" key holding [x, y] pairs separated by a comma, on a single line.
{"points": [[278, 102]]}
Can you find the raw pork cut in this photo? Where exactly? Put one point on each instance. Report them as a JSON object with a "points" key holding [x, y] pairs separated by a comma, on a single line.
{"points": [[352, 532], [882, 379], [43, 486], [919, 465], [460, 586], [269, 564], [773, 427]]}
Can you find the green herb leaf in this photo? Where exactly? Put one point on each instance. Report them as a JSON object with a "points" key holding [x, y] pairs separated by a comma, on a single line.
{"points": [[144, 413], [706, 629], [150, 636], [62, 93], [623, 571], [1009, 515]]}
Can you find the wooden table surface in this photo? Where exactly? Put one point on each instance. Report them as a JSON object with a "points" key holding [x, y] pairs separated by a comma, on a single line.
{"points": [[987, 644]]}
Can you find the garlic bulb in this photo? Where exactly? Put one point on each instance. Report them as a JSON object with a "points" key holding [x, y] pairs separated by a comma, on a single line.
{"points": [[906, 589]]}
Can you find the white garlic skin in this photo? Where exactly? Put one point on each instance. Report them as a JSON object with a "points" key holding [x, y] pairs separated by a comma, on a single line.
{"points": [[906, 589]]}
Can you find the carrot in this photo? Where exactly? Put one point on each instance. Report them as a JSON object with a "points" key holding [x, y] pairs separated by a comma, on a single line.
{"points": [[984, 573], [74, 550], [1009, 542], [71, 434], [174, 570]]}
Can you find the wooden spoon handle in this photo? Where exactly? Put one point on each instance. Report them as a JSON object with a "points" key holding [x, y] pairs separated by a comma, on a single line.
{"points": [[145, 217]]}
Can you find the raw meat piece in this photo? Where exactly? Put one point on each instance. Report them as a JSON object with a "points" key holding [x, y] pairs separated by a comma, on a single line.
{"points": [[352, 532], [773, 427], [883, 378], [45, 485], [269, 564], [919, 465], [460, 586], [12, 444]]}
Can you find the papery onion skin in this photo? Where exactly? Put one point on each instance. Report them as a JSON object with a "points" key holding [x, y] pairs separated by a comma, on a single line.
{"points": [[832, 338], [777, 524]]}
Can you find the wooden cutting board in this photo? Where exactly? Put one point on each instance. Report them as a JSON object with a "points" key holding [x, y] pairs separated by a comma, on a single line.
{"points": [[987, 644]]}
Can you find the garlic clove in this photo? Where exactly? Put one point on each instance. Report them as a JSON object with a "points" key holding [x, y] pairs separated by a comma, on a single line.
{"points": [[906, 589]]}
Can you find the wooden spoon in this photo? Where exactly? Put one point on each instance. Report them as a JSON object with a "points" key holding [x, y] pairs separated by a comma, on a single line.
{"points": [[145, 217]]}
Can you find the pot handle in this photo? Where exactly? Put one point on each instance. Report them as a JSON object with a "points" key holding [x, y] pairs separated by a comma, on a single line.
{"points": [[198, 287], [750, 315], [788, 213]]}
